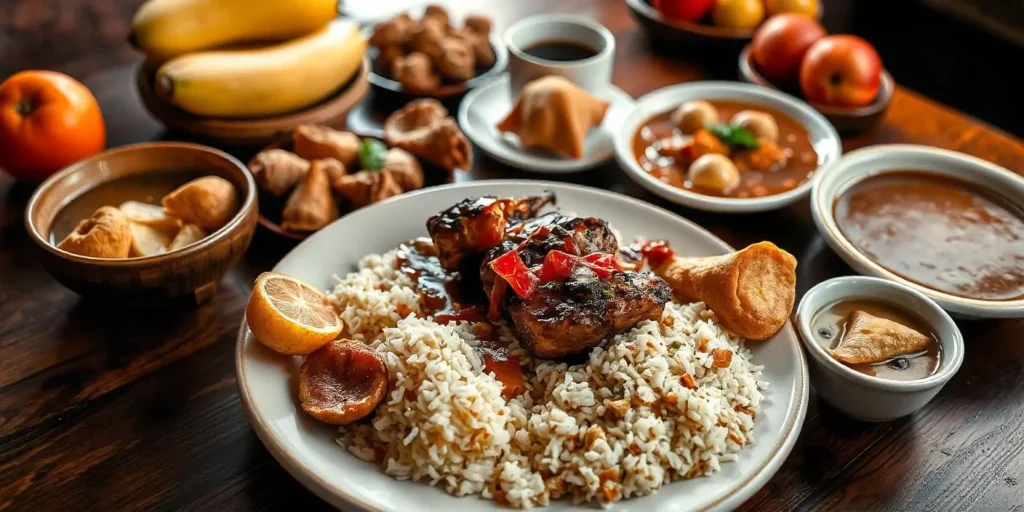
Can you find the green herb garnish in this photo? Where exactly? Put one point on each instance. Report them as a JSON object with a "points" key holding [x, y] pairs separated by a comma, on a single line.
{"points": [[372, 153], [735, 136]]}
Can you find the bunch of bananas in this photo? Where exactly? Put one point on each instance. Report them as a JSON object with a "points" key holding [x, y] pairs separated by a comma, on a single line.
{"points": [[247, 58]]}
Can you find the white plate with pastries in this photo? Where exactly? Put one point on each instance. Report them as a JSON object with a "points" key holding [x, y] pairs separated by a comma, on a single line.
{"points": [[485, 107]]}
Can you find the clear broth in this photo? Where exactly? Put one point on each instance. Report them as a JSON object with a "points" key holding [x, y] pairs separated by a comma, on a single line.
{"points": [[829, 327]]}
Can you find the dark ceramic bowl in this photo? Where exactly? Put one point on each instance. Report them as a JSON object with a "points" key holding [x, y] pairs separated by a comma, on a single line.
{"points": [[847, 120], [189, 274]]}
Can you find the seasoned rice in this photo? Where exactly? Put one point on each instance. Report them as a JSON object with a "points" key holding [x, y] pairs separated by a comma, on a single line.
{"points": [[651, 406]]}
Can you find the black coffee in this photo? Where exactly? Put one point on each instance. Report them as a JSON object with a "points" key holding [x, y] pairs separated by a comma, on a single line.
{"points": [[560, 50]]}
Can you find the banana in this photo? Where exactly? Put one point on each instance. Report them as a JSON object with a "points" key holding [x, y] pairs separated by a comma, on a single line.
{"points": [[266, 81], [167, 28]]}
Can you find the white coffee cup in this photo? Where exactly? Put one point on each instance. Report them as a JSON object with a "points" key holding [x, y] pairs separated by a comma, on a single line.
{"points": [[594, 74]]}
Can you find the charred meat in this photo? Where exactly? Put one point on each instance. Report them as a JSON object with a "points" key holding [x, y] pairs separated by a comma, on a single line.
{"points": [[565, 317], [476, 225]]}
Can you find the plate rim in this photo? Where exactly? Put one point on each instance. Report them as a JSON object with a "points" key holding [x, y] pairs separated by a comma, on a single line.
{"points": [[554, 166], [731, 498]]}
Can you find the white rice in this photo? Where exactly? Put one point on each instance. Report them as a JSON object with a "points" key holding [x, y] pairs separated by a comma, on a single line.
{"points": [[621, 424]]}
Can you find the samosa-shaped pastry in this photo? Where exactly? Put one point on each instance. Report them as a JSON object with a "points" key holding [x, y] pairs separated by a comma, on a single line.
{"points": [[424, 129], [404, 168], [311, 205], [278, 171], [751, 291], [870, 339], [553, 113], [313, 142], [104, 234], [367, 187], [209, 202]]}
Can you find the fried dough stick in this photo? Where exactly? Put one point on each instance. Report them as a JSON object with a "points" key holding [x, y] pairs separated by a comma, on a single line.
{"points": [[751, 291]]}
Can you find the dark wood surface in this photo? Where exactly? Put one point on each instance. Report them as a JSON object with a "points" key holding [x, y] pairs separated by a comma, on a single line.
{"points": [[105, 408]]}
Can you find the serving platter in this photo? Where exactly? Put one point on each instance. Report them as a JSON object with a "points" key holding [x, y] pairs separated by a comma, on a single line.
{"points": [[307, 449]]}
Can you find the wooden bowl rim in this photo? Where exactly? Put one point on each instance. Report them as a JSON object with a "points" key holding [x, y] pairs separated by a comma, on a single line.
{"points": [[886, 89], [447, 90], [712, 31], [247, 205], [345, 98], [285, 142]]}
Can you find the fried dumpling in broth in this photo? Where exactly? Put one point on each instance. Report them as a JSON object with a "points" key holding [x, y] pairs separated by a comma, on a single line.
{"points": [[553, 113], [187, 235], [278, 171], [209, 202], [870, 339], [104, 234], [314, 142], [311, 206], [151, 215]]}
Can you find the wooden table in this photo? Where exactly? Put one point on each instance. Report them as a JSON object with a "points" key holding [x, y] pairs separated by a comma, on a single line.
{"points": [[106, 408]]}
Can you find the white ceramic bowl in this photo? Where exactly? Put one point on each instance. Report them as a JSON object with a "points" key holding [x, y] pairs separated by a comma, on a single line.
{"points": [[831, 183], [823, 137], [864, 397]]}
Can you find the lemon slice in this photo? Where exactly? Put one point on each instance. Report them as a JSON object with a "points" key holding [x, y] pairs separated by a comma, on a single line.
{"points": [[290, 316]]}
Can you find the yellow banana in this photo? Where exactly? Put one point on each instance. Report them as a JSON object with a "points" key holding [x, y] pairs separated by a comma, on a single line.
{"points": [[167, 28], [266, 81]]}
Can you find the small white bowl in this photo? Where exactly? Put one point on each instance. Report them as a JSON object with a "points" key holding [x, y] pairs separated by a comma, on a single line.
{"points": [[857, 165], [823, 137], [861, 396]]}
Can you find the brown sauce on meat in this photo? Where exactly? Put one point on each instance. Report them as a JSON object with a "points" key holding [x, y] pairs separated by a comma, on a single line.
{"points": [[801, 161], [829, 327], [939, 232]]}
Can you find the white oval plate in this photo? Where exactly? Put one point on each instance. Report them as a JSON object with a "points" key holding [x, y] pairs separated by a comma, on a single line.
{"points": [[306, 448], [485, 106], [823, 137], [865, 162]]}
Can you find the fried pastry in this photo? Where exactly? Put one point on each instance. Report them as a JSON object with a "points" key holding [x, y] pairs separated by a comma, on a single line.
{"points": [[394, 31], [416, 72], [438, 13], [751, 290], [553, 113], [367, 187], [311, 206], [104, 234], [479, 24], [423, 129], [404, 168], [313, 142], [187, 235], [150, 215], [456, 61], [209, 202], [870, 339], [426, 38], [278, 171], [386, 57]]}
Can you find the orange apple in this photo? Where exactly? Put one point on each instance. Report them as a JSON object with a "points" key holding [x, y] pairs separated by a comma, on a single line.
{"points": [[779, 45], [842, 71]]}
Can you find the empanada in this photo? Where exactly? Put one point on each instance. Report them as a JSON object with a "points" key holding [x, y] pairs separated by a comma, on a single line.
{"points": [[209, 202], [870, 339], [553, 113], [311, 206], [278, 171], [423, 129], [367, 187], [313, 142]]}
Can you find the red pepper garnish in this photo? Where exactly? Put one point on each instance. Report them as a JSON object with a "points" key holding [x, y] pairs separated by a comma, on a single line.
{"points": [[510, 267], [559, 265], [569, 244], [656, 251]]}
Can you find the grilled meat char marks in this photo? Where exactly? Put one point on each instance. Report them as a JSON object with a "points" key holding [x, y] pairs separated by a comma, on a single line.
{"points": [[564, 318]]}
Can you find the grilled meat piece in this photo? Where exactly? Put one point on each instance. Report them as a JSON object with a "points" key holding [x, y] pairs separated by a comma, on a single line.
{"points": [[563, 318], [551, 231], [475, 225]]}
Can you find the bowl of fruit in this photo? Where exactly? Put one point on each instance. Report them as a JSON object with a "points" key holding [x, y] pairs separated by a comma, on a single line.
{"points": [[273, 66], [722, 24], [839, 75]]}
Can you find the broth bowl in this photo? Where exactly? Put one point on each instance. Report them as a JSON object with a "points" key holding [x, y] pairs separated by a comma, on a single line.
{"points": [[863, 163], [187, 275], [823, 138]]}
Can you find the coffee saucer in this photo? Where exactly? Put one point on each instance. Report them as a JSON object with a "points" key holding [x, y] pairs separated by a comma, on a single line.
{"points": [[484, 107]]}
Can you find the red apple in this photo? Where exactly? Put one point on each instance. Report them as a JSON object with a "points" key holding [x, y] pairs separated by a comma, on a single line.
{"points": [[779, 45], [842, 71], [683, 10]]}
